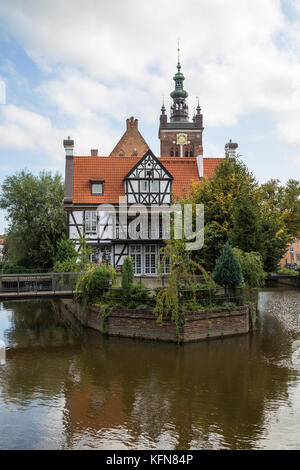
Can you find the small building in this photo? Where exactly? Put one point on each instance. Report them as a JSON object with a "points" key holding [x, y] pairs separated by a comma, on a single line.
{"points": [[292, 255], [98, 187]]}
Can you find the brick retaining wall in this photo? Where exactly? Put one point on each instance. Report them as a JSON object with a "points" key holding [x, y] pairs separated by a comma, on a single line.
{"points": [[142, 323]]}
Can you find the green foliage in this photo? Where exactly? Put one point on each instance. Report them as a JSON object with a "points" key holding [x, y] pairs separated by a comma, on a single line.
{"points": [[72, 260], [228, 271], [288, 271], [106, 310], [246, 226], [114, 294], [286, 201], [69, 265], [275, 239], [65, 250], [182, 273], [215, 236], [84, 253], [36, 217], [127, 274], [238, 209], [10, 268], [252, 267], [138, 293], [91, 285]]}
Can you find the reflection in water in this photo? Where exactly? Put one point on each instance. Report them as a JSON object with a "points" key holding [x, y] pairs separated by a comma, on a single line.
{"points": [[63, 387]]}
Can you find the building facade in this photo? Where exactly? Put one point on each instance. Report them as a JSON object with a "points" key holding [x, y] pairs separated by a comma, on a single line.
{"points": [[292, 255], [100, 189]]}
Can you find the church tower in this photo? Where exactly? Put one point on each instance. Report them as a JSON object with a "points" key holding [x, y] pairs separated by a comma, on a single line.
{"points": [[179, 137]]}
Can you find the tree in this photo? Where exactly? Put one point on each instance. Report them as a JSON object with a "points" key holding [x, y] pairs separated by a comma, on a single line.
{"points": [[254, 218], [127, 274], [252, 267], [285, 200], [36, 217], [215, 236], [246, 225], [220, 194], [65, 249], [228, 271], [182, 273], [275, 239]]}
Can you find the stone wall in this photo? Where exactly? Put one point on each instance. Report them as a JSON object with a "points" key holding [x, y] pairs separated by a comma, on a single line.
{"points": [[142, 323]]}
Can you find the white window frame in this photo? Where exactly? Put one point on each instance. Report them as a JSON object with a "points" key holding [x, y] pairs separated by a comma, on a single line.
{"points": [[97, 192], [90, 223], [150, 254], [136, 256]]}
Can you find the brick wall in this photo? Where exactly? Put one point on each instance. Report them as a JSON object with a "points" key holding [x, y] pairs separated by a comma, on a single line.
{"points": [[292, 256], [142, 323]]}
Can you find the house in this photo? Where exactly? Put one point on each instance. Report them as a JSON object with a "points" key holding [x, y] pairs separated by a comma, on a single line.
{"points": [[100, 189], [292, 255]]}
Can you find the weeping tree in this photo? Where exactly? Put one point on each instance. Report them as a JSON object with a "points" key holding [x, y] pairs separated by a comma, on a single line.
{"points": [[182, 273]]}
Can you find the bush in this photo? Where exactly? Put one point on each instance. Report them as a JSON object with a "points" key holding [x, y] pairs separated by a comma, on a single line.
{"points": [[138, 293], [114, 293], [11, 268], [127, 274], [91, 285], [67, 266], [252, 267], [288, 271], [65, 250], [228, 271]]}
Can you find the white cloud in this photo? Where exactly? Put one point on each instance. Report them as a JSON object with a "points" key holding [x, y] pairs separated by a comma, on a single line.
{"points": [[22, 129], [112, 59]]}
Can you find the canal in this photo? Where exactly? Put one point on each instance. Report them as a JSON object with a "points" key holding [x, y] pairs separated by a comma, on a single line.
{"points": [[65, 388]]}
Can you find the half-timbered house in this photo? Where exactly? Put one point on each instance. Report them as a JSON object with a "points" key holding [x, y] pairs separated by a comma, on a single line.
{"points": [[99, 188]]}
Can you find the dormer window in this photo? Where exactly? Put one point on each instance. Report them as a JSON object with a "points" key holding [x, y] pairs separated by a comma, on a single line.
{"points": [[97, 188]]}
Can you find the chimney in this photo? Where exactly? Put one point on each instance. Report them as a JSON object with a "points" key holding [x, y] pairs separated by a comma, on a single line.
{"points": [[131, 122], [94, 152], [69, 146], [230, 150], [200, 166]]}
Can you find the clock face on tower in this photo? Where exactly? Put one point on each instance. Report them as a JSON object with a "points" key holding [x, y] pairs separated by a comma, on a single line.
{"points": [[181, 139]]}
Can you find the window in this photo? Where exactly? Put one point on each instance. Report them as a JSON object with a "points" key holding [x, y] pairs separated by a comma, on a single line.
{"points": [[90, 222], [154, 186], [172, 153], [97, 188], [191, 153], [144, 186], [150, 259], [135, 253]]}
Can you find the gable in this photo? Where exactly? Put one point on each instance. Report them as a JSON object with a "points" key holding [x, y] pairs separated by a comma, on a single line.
{"points": [[132, 143], [149, 167]]}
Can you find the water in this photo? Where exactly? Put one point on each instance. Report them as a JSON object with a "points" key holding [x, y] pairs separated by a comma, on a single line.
{"points": [[65, 388]]}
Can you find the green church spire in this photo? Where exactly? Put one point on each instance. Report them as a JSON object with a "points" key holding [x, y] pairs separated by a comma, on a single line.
{"points": [[179, 109]]}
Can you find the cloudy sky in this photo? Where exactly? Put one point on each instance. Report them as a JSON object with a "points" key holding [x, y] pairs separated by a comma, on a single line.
{"points": [[77, 68]]}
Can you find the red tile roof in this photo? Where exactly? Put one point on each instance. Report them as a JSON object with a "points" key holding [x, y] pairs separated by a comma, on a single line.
{"points": [[112, 170]]}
